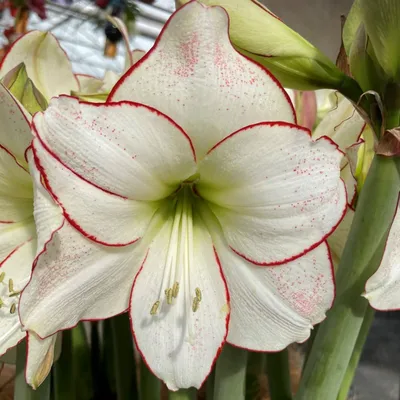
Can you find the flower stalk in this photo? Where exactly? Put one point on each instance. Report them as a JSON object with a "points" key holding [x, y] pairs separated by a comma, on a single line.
{"points": [[355, 357], [278, 369], [337, 336], [230, 374], [182, 394]]}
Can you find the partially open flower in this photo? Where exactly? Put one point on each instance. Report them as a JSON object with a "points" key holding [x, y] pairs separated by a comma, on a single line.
{"points": [[19, 240], [207, 220], [46, 63]]}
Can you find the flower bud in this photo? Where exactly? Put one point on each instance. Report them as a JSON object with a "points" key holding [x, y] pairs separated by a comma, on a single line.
{"points": [[262, 36], [23, 89]]}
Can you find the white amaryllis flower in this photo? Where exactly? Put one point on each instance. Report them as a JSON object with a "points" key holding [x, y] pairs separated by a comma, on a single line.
{"points": [[18, 238], [206, 222], [46, 63]]}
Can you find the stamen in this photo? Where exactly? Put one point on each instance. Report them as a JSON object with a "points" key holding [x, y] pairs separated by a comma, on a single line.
{"points": [[198, 293], [14, 294], [2, 275], [195, 304], [1, 302], [10, 285], [154, 309], [175, 290], [169, 296], [13, 308]]}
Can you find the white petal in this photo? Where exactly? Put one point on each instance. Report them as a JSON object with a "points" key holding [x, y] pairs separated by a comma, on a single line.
{"points": [[272, 307], [343, 125], [89, 84], [15, 132], [46, 63], [39, 359], [127, 149], [383, 288], [77, 279], [195, 76], [99, 215], [17, 266], [48, 214], [179, 345], [338, 239], [276, 193], [350, 182], [12, 236], [15, 189]]}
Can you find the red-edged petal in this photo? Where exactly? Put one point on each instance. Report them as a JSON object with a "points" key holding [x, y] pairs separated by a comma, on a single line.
{"points": [[128, 149], [76, 279], [194, 75], [179, 345], [99, 215], [15, 132], [276, 193]]}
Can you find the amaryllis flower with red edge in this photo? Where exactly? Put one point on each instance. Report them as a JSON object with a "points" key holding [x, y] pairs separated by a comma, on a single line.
{"points": [[23, 232], [206, 206]]}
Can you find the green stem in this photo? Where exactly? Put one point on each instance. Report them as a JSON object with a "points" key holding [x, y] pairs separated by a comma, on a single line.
{"points": [[183, 394], [337, 335], [63, 374], [150, 386], [210, 385], [22, 391], [230, 374], [279, 375], [256, 366], [355, 357], [124, 358]]}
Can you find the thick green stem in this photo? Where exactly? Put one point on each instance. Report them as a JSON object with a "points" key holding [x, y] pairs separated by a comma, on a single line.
{"points": [[230, 374], [124, 358], [279, 375], [355, 357], [150, 386], [183, 394], [337, 335], [256, 363], [22, 391], [210, 386]]}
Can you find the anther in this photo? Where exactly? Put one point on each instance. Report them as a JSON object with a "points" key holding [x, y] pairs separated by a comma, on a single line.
{"points": [[13, 294], [154, 309], [175, 290], [10, 285], [2, 275], [169, 296], [198, 293], [13, 308], [195, 304], [1, 302]]}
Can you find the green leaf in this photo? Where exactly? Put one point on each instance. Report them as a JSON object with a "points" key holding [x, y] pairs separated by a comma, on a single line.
{"points": [[353, 21], [279, 375]]}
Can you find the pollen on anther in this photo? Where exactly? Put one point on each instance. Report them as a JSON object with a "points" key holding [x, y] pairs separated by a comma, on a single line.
{"points": [[154, 308], [169, 296], [175, 290], [10, 285], [195, 304], [13, 308], [2, 275], [198, 293]]}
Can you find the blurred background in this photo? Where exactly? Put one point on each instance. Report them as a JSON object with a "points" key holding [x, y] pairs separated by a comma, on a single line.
{"points": [[94, 47]]}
